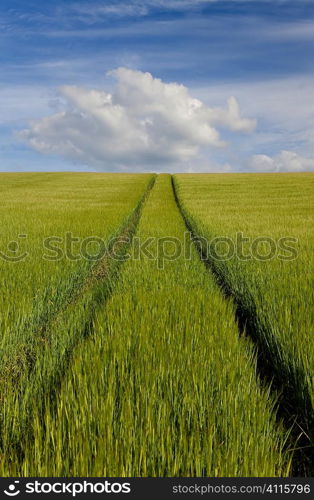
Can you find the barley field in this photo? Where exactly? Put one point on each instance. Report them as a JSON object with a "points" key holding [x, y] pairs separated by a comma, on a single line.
{"points": [[141, 337]]}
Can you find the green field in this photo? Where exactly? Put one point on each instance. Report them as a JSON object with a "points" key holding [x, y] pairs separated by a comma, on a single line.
{"points": [[135, 351], [275, 294]]}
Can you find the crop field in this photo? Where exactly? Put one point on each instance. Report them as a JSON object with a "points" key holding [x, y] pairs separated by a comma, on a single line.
{"points": [[272, 288], [142, 336]]}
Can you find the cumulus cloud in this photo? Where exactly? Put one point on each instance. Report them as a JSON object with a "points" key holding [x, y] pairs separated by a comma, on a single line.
{"points": [[144, 124], [286, 161]]}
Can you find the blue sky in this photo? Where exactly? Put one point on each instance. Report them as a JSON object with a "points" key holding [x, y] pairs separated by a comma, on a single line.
{"points": [[260, 52]]}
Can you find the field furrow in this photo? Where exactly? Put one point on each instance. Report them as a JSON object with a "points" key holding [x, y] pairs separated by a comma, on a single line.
{"points": [[164, 386], [32, 368], [270, 284], [49, 213]]}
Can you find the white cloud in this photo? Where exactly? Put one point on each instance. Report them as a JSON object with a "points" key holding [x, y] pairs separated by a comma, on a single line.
{"points": [[286, 161], [303, 30], [143, 124], [133, 8], [283, 110], [231, 117], [143, 8]]}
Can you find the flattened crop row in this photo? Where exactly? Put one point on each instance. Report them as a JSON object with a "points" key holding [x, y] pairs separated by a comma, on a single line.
{"points": [[274, 298], [50, 348]]}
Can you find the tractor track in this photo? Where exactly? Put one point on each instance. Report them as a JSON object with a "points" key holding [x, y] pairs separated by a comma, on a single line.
{"points": [[298, 422], [29, 387]]}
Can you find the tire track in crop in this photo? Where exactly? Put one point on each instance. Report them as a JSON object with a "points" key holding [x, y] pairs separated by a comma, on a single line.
{"points": [[301, 425], [56, 340], [103, 269]]}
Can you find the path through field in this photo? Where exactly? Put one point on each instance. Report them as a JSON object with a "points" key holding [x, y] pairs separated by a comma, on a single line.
{"points": [[144, 369]]}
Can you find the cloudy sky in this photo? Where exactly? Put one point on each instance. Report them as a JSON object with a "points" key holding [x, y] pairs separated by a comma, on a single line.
{"points": [[162, 85]]}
